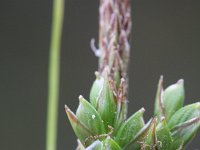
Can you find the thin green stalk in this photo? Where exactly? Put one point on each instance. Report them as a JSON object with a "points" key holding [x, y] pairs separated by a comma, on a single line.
{"points": [[54, 74]]}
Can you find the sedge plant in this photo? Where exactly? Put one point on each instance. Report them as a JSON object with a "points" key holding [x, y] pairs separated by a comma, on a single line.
{"points": [[101, 122]]}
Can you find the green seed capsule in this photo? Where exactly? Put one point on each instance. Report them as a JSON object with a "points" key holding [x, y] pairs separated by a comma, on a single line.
{"points": [[81, 131], [184, 114], [130, 128], [173, 98], [137, 141], [87, 114], [185, 123]]}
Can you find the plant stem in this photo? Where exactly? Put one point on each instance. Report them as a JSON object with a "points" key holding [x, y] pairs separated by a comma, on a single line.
{"points": [[54, 74]]}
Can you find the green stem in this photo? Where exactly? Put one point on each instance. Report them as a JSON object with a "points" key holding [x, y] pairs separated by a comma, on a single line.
{"points": [[54, 74]]}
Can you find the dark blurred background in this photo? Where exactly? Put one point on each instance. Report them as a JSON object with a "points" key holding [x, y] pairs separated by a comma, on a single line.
{"points": [[166, 40]]}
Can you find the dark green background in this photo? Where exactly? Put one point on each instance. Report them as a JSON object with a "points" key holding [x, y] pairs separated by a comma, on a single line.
{"points": [[166, 40]]}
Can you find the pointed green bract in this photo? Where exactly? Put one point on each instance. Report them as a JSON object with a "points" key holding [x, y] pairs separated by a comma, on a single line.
{"points": [[173, 98], [130, 128], [81, 131], [158, 106], [87, 114]]}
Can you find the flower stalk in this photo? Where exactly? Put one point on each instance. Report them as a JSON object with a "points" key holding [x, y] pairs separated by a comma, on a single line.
{"points": [[54, 73]]}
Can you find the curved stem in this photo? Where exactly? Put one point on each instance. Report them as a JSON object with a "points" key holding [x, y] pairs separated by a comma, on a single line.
{"points": [[54, 73]]}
